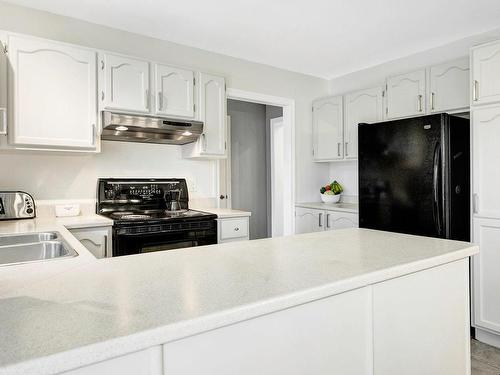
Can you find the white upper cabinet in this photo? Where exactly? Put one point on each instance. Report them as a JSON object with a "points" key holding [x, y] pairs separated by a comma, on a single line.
{"points": [[54, 94], [486, 73], [212, 94], [174, 91], [328, 129], [125, 84], [3, 85], [449, 86], [360, 107], [406, 95], [486, 159]]}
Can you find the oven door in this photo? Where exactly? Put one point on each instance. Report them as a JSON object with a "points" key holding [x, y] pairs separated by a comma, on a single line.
{"points": [[138, 243]]}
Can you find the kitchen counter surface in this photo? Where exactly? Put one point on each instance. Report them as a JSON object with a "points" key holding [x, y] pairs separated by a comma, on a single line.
{"points": [[10, 279], [342, 207], [104, 308]]}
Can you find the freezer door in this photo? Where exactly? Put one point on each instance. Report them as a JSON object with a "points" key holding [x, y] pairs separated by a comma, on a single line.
{"points": [[401, 176]]}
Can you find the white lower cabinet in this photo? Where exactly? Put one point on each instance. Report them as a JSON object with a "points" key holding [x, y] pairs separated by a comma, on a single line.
{"points": [[329, 336], [486, 278], [421, 322], [309, 220], [97, 240], [233, 229], [144, 362]]}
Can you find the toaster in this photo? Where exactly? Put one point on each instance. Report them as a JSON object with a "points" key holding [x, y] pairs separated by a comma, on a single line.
{"points": [[16, 205]]}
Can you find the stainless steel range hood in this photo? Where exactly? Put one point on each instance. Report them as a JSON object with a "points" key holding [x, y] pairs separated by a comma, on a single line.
{"points": [[149, 129]]}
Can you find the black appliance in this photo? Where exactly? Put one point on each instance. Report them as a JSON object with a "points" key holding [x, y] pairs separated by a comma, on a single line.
{"points": [[414, 176], [153, 215]]}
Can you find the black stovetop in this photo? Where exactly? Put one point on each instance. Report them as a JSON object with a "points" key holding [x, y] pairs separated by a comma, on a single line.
{"points": [[156, 216]]}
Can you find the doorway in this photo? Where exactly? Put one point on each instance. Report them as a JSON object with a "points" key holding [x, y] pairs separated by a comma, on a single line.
{"points": [[258, 175]]}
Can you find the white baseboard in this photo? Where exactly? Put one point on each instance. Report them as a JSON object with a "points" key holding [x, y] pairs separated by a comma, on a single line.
{"points": [[488, 337]]}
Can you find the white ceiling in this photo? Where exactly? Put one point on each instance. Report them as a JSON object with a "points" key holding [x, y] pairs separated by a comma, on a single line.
{"points": [[324, 38]]}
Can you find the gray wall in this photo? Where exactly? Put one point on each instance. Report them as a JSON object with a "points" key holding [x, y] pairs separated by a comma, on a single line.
{"points": [[249, 163], [68, 176]]}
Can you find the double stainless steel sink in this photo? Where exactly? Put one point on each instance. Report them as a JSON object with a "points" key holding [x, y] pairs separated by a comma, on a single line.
{"points": [[33, 247]]}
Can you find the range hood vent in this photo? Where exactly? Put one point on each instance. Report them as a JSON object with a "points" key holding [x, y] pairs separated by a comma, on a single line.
{"points": [[149, 129]]}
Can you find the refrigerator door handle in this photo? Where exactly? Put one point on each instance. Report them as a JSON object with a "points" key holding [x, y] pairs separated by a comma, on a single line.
{"points": [[435, 187]]}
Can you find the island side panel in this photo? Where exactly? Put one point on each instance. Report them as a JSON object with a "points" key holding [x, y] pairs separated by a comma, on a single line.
{"points": [[328, 336], [421, 322]]}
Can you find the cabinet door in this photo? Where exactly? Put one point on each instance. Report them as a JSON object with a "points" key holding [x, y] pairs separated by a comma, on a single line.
{"points": [[486, 159], [341, 220], [328, 336], [96, 240], [212, 94], [328, 129], [449, 86], [406, 95], [126, 84], [308, 220], [421, 322], [53, 87], [362, 106], [3, 85], [486, 74], [174, 91], [486, 278]]}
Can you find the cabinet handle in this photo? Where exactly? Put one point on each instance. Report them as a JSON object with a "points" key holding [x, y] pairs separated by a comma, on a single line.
{"points": [[420, 103], [106, 246], [102, 95], [432, 100], [102, 64], [94, 133], [160, 101], [338, 149], [328, 220], [3, 120], [320, 217], [346, 149], [475, 91], [204, 142], [236, 229], [475, 203]]}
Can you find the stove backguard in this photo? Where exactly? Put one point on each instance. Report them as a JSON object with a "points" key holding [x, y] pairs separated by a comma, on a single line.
{"points": [[138, 194]]}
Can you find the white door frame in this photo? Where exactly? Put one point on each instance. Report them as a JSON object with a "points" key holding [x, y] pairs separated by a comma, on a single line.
{"points": [[288, 106]]}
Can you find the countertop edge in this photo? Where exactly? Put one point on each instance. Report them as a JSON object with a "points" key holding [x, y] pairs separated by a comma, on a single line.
{"points": [[329, 207], [105, 350]]}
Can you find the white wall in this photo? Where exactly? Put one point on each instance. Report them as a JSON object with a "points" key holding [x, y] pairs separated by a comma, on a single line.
{"points": [[346, 172], [55, 176]]}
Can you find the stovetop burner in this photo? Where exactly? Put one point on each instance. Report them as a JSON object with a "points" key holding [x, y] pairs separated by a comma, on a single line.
{"points": [[134, 217], [121, 216]]}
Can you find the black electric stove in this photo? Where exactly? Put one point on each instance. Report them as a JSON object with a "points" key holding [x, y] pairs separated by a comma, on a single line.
{"points": [[153, 215]]}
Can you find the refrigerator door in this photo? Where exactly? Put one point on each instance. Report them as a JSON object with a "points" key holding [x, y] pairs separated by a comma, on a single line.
{"points": [[401, 180]]}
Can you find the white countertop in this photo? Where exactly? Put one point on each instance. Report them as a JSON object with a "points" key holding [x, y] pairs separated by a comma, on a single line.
{"points": [[342, 207], [109, 307]]}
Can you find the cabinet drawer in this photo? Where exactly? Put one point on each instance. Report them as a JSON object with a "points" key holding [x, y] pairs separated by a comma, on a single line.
{"points": [[233, 228]]}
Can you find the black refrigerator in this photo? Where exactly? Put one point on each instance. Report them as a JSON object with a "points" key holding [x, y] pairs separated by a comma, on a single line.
{"points": [[414, 176]]}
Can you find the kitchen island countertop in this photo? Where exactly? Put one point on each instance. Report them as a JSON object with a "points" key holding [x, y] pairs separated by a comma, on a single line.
{"points": [[104, 308]]}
